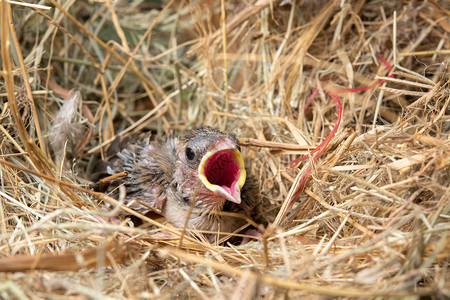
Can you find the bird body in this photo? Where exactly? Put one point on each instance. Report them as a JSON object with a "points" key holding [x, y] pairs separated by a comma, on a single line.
{"points": [[196, 177]]}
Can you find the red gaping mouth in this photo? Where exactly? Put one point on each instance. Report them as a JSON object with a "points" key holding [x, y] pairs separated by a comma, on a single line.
{"points": [[222, 171]]}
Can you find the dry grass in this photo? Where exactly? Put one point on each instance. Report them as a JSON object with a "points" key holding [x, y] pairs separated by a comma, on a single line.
{"points": [[372, 218]]}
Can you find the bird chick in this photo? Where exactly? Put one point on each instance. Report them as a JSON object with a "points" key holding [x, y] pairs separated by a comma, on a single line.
{"points": [[203, 168]]}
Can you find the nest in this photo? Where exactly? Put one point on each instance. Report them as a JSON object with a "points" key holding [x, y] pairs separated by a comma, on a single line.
{"points": [[358, 89]]}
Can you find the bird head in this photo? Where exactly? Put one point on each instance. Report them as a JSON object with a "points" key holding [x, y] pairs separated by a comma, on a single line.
{"points": [[215, 159]]}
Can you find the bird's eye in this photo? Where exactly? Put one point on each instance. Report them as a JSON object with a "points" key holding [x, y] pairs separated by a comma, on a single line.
{"points": [[190, 154]]}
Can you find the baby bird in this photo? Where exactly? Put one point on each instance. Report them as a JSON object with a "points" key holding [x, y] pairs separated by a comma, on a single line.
{"points": [[203, 169]]}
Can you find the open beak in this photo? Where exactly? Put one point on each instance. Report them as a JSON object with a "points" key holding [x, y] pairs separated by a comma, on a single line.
{"points": [[222, 170]]}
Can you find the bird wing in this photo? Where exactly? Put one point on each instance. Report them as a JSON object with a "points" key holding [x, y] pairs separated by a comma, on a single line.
{"points": [[150, 167]]}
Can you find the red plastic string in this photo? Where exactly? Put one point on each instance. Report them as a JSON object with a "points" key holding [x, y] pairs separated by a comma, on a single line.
{"points": [[388, 65], [327, 140], [319, 149], [310, 100], [365, 88]]}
